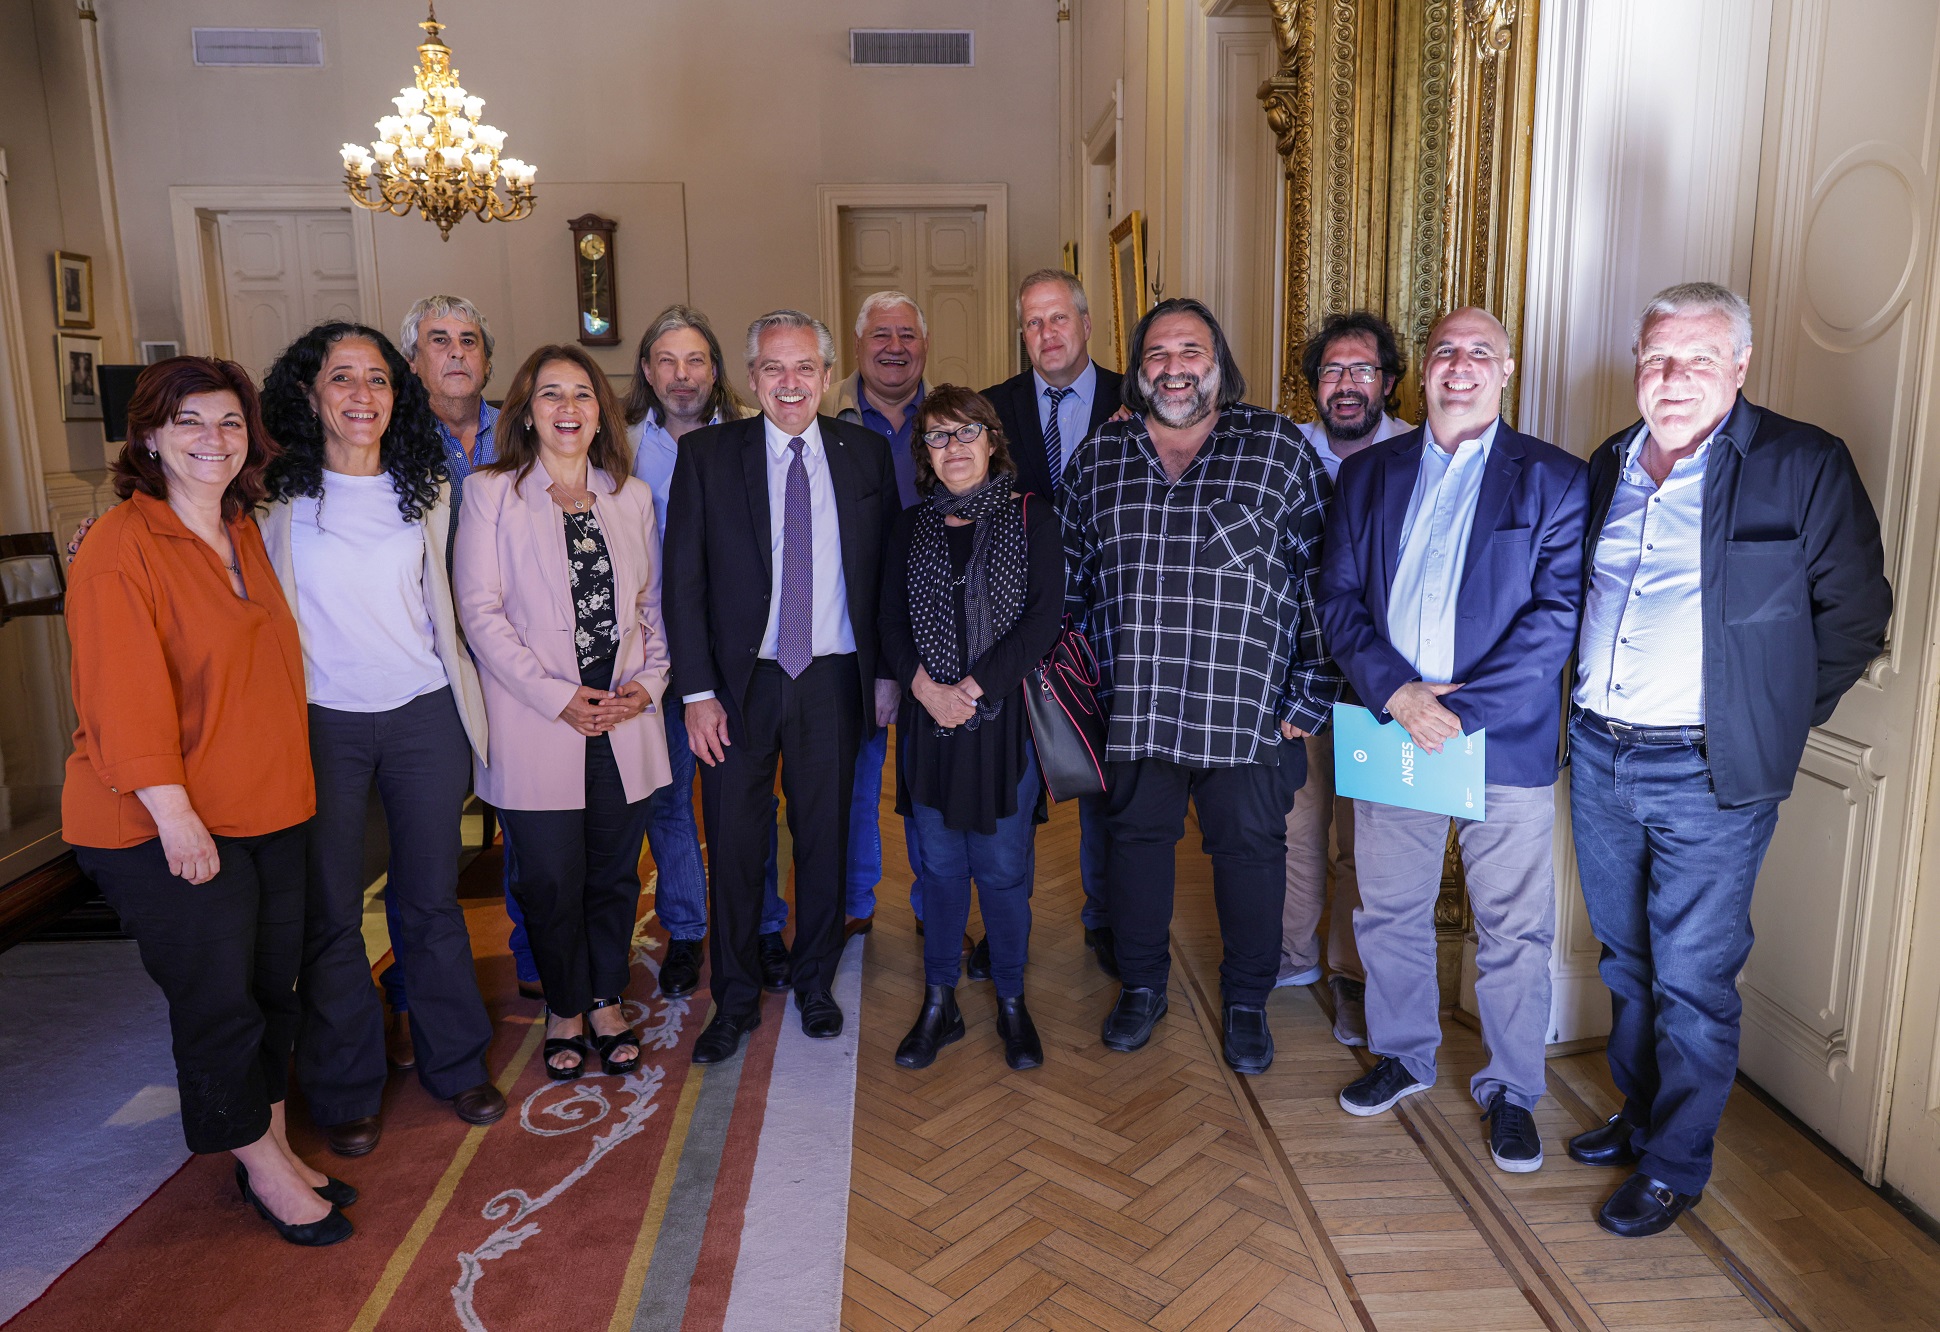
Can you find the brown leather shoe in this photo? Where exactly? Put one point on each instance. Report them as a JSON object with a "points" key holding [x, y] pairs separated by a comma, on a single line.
{"points": [[483, 1104], [858, 925], [354, 1137], [399, 1049]]}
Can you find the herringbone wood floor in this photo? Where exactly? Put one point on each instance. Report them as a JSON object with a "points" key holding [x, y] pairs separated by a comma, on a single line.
{"points": [[1159, 1190]]}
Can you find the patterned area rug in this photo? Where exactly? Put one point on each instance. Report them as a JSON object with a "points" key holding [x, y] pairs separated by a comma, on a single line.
{"points": [[665, 1199]]}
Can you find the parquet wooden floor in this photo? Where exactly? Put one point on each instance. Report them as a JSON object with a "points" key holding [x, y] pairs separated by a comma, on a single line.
{"points": [[1160, 1190]]}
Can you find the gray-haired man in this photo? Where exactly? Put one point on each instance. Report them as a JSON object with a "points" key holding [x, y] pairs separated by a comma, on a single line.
{"points": [[450, 348]]}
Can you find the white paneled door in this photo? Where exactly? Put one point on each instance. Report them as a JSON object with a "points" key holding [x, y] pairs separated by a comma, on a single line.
{"points": [[1846, 301], [936, 256], [282, 274]]}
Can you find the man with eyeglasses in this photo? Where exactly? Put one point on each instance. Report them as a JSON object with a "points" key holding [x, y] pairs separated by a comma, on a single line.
{"points": [[1351, 365]]}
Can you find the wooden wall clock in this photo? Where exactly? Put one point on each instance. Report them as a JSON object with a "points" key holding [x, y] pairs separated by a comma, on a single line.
{"points": [[596, 290]]}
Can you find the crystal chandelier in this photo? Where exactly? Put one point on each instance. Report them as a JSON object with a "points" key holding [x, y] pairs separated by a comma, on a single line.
{"points": [[435, 155]]}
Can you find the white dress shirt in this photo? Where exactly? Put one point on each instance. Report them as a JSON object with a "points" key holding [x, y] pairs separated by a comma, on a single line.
{"points": [[1323, 447], [1640, 657], [1074, 413], [1434, 548], [832, 631]]}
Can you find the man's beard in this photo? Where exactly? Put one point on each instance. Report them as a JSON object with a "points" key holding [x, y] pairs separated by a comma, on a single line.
{"points": [[1361, 429], [1197, 407]]}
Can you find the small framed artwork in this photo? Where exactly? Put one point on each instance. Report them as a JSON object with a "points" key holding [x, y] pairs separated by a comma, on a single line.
{"points": [[1070, 260], [151, 352], [1127, 278], [73, 290], [80, 394]]}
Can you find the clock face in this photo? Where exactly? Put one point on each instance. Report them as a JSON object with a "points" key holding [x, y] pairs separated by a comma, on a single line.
{"points": [[593, 247]]}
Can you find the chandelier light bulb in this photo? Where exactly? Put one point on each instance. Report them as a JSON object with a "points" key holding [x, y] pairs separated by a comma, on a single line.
{"points": [[386, 151], [414, 157], [474, 107]]}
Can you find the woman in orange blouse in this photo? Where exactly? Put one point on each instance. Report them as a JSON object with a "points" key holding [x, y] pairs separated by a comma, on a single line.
{"points": [[189, 787]]}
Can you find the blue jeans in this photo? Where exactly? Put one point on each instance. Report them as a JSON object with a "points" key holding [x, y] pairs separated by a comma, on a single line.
{"points": [[392, 977], [680, 885], [865, 844], [1667, 876], [1000, 862], [1094, 860]]}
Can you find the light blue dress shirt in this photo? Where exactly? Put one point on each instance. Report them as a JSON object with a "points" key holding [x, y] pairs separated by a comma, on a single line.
{"points": [[1074, 413], [1323, 447], [1434, 547], [1640, 657], [654, 453], [484, 450]]}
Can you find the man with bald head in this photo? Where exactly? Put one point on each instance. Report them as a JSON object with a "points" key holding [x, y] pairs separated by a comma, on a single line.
{"points": [[1449, 596]]}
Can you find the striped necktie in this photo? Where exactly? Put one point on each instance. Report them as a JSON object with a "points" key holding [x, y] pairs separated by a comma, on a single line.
{"points": [[1054, 440]]}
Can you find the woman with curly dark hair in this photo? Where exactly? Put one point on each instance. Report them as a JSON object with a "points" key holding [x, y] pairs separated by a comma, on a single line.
{"points": [[358, 528]]}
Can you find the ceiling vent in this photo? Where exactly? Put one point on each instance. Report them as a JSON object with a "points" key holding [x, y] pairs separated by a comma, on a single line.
{"points": [[911, 46], [285, 47]]}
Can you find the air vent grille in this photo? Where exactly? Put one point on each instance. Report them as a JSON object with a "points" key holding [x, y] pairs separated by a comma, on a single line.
{"points": [[911, 46], [259, 46]]}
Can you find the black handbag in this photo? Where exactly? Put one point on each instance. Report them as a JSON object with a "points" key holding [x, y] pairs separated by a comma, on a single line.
{"points": [[1067, 723]]}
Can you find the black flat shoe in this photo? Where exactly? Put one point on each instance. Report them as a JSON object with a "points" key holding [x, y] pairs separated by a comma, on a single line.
{"points": [[333, 1190], [821, 1017], [680, 974], [936, 1026], [1022, 1049], [1104, 948], [606, 1045], [723, 1036], [1606, 1146], [1129, 1024], [329, 1229], [1514, 1141], [556, 1045], [1248, 1046], [1644, 1206], [978, 968], [775, 971]]}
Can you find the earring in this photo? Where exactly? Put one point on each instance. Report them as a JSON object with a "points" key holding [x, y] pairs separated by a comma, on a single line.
{"points": [[153, 454]]}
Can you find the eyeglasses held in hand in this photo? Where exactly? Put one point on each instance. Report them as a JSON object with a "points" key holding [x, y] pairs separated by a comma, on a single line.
{"points": [[1360, 372], [940, 439]]}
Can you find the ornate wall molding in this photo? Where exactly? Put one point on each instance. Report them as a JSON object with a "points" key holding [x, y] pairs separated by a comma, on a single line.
{"points": [[1288, 97]]}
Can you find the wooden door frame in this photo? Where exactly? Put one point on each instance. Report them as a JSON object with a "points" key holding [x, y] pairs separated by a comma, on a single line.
{"points": [[187, 202], [993, 198]]}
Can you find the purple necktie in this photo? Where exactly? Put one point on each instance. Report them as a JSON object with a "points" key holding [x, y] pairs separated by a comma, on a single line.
{"points": [[795, 636]]}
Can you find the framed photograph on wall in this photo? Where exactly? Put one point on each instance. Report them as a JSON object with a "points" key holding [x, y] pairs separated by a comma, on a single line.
{"points": [[80, 393], [152, 352], [73, 290], [1127, 279]]}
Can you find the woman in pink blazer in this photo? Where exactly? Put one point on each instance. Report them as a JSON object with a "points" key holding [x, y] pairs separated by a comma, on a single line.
{"points": [[558, 584]]}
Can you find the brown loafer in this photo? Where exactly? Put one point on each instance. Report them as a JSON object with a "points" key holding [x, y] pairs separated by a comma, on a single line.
{"points": [[399, 1049], [354, 1137], [483, 1104]]}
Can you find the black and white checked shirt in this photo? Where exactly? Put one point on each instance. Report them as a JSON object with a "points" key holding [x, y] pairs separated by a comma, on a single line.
{"points": [[1197, 595]]}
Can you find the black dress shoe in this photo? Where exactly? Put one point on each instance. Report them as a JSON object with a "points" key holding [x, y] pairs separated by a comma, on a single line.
{"points": [[978, 967], [1129, 1024], [1606, 1146], [353, 1137], [1104, 948], [1022, 1049], [332, 1227], [483, 1104], [775, 971], [333, 1190], [723, 1036], [680, 973], [1644, 1206], [820, 1016], [936, 1026], [1249, 1045], [1514, 1141]]}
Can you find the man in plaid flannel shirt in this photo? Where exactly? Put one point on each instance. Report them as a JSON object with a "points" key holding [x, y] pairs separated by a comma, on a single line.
{"points": [[1192, 532]]}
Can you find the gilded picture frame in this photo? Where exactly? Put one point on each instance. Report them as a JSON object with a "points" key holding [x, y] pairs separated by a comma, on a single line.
{"points": [[1128, 304], [73, 290]]}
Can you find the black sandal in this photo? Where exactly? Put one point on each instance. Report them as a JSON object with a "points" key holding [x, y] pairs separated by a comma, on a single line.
{"points": [[605, 1045], [563, 1045]]}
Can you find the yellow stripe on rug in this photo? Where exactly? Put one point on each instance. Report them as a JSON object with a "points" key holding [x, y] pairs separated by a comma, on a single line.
{"points": [[663, 1184], [434, 1207]]}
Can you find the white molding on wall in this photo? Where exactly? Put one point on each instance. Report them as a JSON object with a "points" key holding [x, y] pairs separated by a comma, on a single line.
{"points": [[993, 198], [114, 279], [23, 493], [185, 202]]}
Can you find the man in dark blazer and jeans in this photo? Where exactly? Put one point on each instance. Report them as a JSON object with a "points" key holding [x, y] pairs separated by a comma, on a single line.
{"points": [[1735, 591], [1047, 412], [775, 534]]}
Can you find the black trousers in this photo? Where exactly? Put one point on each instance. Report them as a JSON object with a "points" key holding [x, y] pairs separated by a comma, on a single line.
{"points": [[1243, 826], [812, 727], [225, 955], [419, 759], [576, 875]]}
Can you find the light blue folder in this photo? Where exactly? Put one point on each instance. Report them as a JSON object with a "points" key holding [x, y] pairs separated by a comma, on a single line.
{"points": [[1379, 762]]}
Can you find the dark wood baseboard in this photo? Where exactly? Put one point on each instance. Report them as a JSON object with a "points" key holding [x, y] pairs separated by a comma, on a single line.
{"points": [[36, 900]]}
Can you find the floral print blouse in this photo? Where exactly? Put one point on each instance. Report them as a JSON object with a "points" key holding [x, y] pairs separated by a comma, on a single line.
{"points": [[596, 628]]}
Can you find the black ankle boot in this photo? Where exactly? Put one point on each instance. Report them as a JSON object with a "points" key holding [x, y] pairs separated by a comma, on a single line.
{"points": [[1022, 1049], [936, 1026]]}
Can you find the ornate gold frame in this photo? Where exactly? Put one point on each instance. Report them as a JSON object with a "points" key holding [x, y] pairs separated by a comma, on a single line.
{"points": [[1129, 228]]}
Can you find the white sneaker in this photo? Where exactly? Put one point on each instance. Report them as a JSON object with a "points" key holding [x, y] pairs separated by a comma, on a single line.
{"points": [[1306, 977]]}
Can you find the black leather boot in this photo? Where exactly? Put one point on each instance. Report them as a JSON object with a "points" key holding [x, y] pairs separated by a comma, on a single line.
{"points": [[936, 1026], [1022, 1049]]}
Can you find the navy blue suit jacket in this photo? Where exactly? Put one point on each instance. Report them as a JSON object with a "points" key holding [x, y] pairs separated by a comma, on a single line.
{"points": [[1516, 607]]}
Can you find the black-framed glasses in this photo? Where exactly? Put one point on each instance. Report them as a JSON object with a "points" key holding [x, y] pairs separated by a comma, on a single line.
{"points": [[1360, 372], [940, 439]]}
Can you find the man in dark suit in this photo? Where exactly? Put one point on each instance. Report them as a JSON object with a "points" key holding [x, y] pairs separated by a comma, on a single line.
{"points": [[1735, 590], [1047, 412], [797, 507], [1449, 595]]}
